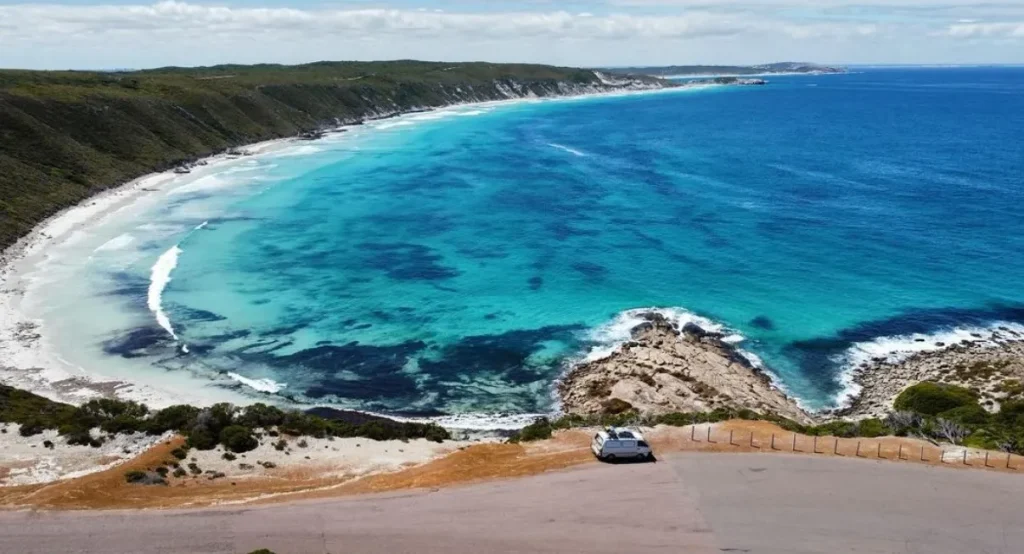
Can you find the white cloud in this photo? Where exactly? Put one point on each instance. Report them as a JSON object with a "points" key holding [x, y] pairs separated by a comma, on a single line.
{"points": [[975, 30], [183, 33]]}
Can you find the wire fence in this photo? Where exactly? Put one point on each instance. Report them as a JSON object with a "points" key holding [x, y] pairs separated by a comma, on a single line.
{"points": [[721, 438]]}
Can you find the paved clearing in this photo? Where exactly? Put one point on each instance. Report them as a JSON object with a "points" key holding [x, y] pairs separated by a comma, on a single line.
{"points": [[686, 503]]}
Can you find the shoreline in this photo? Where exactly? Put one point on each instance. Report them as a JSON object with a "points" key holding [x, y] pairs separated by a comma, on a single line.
{"points": [[36, 366], [31, 363], [983, 359]]}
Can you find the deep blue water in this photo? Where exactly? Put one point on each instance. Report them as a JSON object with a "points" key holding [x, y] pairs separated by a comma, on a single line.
{"points": [[455, 264]]}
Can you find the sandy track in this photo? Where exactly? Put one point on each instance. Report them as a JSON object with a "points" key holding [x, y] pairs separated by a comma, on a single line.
{"points": [[312, 479], [690, 502]]}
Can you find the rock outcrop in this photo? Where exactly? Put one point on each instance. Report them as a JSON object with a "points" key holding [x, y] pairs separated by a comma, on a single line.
{"points": [[665, 369], [992, 367]]}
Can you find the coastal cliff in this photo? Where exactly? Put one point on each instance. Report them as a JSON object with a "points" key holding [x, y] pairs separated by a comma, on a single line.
{"points": [[664, 369], [65, 136]]}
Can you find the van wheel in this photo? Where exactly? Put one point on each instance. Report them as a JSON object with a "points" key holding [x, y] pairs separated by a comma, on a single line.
{"points": [[642, 457], [609, 458]]}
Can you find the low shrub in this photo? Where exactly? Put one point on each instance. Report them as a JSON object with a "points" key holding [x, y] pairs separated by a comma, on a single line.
{"points": [[238, 438], [971, 414], [135, 476], [180, 453], [229, 456], [929, 398], [180, 472], [538, 430], [872, 428]]}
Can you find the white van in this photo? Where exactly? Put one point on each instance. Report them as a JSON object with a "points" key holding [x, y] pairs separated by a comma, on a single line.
{"points": [[616, 443]]}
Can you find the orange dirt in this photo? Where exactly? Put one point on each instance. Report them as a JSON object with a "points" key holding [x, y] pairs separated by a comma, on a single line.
{"points": [[109, 490]]}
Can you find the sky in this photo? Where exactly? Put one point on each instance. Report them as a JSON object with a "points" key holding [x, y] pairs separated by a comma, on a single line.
{"points": [[121, 34]]}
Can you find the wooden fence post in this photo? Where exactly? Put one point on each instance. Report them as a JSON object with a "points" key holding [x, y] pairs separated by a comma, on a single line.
{"points": [[922, 455], [858, 450], [794, 444], [773, 441], [730, 439], [900, 454], [835, 449], [986, 458], [815, 447], [693, 433], [759, 446], [879, 453], [709, 434], [965, 457], [1008, 454], [942, 456]]}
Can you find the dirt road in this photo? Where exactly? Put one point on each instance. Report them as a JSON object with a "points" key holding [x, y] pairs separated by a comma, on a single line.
{"points": [[685, 503]]}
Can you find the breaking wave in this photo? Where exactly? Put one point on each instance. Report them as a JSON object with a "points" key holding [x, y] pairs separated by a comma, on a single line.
{"points": [[894, 349], [261, 385], [572, 151], [609, 337], [158, 280]]}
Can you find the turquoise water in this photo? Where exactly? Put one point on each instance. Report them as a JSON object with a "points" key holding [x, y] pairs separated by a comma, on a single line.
{"points": [[456, 262]]}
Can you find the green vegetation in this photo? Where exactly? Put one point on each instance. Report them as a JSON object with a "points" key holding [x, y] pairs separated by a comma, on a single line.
{"points": [[204, 429], [967, 424], [65, 135], [931, 399]]}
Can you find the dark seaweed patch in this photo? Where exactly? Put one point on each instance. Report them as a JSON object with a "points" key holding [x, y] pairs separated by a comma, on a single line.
{"points": [[504, 354], [565, 231], [536, 282], [139, 342], [192, 314], [406, 261], [379, 368], [591, 271], [763, 322]]}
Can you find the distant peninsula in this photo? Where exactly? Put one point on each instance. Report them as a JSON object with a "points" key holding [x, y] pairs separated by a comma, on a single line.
{"points": [[780, 68]]}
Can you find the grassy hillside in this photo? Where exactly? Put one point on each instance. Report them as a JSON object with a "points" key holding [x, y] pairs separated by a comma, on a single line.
{"points": [[67, 135]]}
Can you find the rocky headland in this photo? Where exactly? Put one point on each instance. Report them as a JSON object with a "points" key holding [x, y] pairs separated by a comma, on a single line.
{"points": [[992, 366], [666, 369]]}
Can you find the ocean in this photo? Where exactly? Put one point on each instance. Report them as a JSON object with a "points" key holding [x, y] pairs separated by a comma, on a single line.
{"points": [[458, 262]]}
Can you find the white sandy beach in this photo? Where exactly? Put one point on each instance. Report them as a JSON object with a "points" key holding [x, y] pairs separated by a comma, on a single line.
{"points": [[29, 358]]}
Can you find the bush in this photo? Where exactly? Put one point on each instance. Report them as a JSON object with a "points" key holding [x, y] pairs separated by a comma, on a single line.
{"points": [[971, 414], [228, 456], [280, 445], [932, 399], [180, 453], [237, 438], [538, 430], [260, 416], [201, 439], [194, 468], [31, 428], [872, 428], [173, 418], [135, 476], [180, 472]]}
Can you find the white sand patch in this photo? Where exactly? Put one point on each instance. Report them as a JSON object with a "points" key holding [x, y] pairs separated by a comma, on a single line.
{"points": [[329, 458], [26, 461]]}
